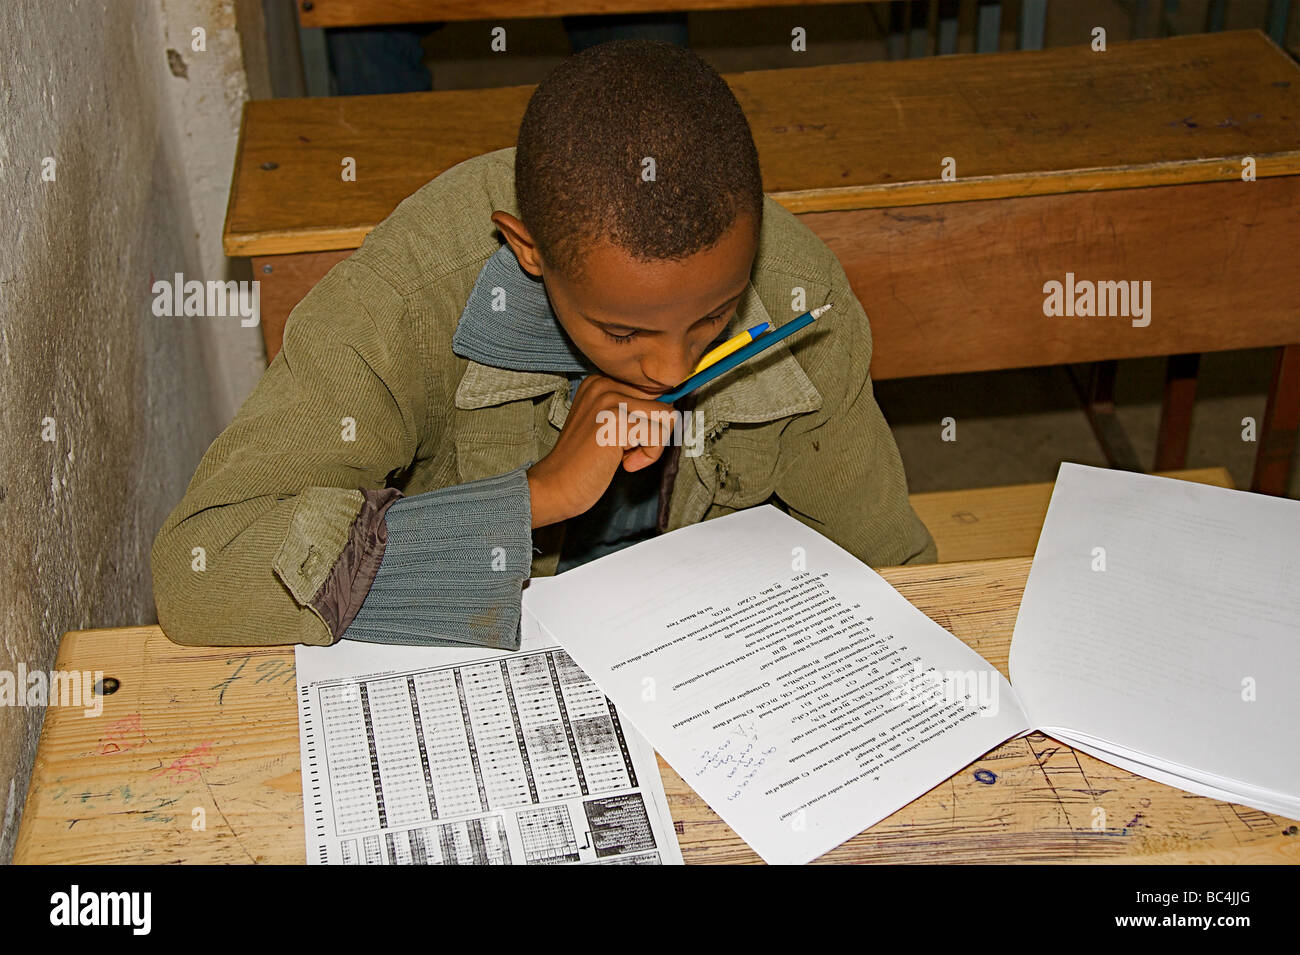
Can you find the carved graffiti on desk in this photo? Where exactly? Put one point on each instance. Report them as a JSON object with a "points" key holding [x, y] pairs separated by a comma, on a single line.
{"points": [[121, 735], [187, 768], [267, 671]]}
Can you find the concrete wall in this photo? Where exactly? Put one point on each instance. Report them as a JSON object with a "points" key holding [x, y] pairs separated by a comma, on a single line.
{"points": [[105, 409]]}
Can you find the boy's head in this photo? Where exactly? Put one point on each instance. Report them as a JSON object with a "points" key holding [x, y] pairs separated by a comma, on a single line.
{"points": [[640, 197]]}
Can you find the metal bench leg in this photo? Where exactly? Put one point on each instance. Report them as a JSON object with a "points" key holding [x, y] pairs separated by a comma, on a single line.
{"points": [[949, 20], [1216, 14], [1276, 18], [1140, 19], [315, 61], [918, 30]]}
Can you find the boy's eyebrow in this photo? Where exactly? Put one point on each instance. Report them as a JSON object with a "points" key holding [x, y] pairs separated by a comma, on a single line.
{"points": [[655, 330]]}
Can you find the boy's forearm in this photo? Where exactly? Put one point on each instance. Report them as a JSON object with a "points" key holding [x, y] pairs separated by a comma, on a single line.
{"points": [[215, 578], [449, 565], [453, 567]]}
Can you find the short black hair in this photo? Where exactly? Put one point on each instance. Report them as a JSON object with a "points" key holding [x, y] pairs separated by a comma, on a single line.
{"points": [[584, 137]]}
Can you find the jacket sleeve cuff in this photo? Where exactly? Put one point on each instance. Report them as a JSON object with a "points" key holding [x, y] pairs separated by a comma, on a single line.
{"points": [[341, 595], [453, 567]]}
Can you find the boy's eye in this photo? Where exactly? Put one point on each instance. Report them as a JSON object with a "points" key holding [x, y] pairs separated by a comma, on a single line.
{"points": [[624, 339]]}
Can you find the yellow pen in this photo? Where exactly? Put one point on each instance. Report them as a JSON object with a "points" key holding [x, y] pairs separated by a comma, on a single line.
{"points": [[727, 347]]}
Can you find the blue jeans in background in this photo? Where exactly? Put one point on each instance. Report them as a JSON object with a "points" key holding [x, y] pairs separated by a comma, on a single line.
{"points": [[391, 59]]}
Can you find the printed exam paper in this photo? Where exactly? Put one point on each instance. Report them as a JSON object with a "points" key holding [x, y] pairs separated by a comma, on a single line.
{"points": [[779, 676]]}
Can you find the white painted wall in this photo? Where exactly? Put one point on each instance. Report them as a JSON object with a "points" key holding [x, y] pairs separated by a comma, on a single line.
{"points": [[143, 145]]}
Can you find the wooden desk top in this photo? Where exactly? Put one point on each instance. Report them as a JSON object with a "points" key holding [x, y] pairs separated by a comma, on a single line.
{"points": [[216, 729], [851, 136]]}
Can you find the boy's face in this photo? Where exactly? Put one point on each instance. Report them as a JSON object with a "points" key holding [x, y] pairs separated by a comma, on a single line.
{"points": [[646, 324]]}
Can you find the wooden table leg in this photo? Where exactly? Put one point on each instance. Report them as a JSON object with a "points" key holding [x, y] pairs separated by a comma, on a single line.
{"points": [[1097, 394], [1176, 412], [1277, 433]]}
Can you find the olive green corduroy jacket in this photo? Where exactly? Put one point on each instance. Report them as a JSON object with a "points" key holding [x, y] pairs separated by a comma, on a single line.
{"points": [[367, 356]]}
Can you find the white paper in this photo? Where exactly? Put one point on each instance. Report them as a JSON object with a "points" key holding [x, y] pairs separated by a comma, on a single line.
{"points": [[798, 734], [1180, 777], [518, 758], [1161, 622]]}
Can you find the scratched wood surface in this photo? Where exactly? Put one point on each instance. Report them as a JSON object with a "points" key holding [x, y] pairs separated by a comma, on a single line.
{"points": [[987, 522], [850, 136], [211, 735]]}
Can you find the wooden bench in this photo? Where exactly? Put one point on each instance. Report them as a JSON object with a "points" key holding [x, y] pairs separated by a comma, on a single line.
{"points": [[984, 17], [1032, 13], [216, 729], [1116, 166], [351, 13]]}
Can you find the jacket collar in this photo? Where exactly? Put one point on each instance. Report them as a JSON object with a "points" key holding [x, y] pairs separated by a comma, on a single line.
{"points": [[523, 352]]}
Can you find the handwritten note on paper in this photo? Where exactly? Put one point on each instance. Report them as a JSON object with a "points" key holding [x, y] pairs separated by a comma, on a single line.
{"points": [[737, 759], [778, 675]]}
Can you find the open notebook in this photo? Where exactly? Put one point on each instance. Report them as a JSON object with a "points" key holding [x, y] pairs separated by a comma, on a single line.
{"points": [[805, 699]]}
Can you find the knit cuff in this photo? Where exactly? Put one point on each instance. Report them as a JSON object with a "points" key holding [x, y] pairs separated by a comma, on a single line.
{"points": [[454, 567]]}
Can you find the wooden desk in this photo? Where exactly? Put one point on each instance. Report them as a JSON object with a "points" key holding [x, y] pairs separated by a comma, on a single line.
{"points": [[217, 729], [1116, 166], [854, 136]]}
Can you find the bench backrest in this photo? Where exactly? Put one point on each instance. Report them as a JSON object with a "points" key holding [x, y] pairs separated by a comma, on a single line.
{"points": [[351, 13], [1116, 166]]}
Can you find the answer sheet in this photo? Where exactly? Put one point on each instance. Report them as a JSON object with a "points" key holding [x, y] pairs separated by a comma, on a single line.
{"points": [[800, 695], [432, 756]]}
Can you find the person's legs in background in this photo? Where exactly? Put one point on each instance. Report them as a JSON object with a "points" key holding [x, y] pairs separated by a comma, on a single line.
{"points": [[587, 31], [366, 60], [379, 59]]}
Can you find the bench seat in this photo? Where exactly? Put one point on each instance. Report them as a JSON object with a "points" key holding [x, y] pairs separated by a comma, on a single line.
{"points": [[992, 522]]}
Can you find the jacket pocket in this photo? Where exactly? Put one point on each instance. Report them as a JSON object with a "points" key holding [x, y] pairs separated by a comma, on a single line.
{"points": [[744, 459], [491, 441]]}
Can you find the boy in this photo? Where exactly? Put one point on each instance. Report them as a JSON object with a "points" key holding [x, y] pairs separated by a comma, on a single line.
{"points": [[431, 433]]}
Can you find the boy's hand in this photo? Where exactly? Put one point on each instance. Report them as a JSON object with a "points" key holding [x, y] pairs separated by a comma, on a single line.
{"points": [[586, 456]]}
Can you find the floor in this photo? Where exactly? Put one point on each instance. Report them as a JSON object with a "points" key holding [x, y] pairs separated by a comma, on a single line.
{"points": [[1012, 427]]}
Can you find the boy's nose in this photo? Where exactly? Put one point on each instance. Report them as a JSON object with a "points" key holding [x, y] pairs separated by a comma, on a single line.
{"points": [[669, 371]]}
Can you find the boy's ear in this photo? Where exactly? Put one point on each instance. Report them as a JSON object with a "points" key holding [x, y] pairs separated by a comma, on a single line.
{"points": [[521, 243]]}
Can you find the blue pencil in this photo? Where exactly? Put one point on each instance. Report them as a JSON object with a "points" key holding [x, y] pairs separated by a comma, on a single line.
{"points": [[740, 355]]}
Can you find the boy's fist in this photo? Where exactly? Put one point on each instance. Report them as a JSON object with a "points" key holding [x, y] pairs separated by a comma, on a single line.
{"points": [[588, 453]]}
